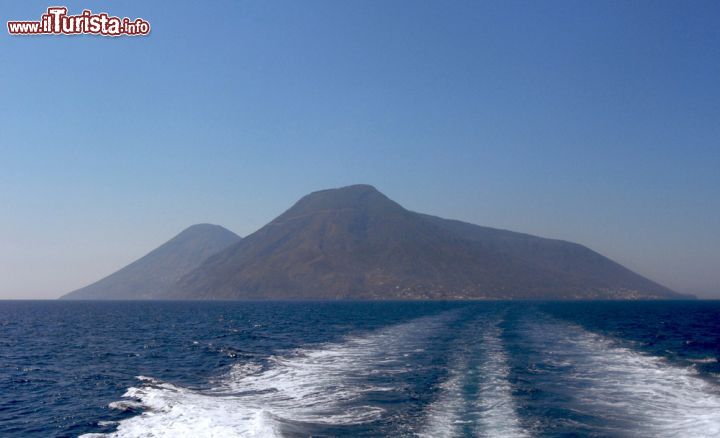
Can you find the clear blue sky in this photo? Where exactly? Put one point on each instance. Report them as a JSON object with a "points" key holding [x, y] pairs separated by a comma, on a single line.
{"points": [[596, 122]]}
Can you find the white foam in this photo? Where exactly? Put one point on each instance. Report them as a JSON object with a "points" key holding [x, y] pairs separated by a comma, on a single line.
{"points": [[125, 405], [496, 404], [704, 360], [490, 409], [647, 395], [320, 385], [147, 379], [444, 417]]}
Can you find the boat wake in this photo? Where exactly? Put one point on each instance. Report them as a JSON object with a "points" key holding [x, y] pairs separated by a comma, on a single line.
{"points": [[477, 398], [325, 385], [453, 374], [613, 390]]}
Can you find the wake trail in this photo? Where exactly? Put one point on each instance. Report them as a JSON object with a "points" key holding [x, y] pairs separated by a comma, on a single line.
{"points": [[320, 385], [477, 398], [612, 389]]}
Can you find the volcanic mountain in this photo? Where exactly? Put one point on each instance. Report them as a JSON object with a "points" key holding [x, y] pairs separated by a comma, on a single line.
{"points": [[153, 275], [355, 243]]}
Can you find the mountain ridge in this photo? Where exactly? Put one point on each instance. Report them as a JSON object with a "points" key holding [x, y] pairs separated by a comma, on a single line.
{"points": [[355, 243]]}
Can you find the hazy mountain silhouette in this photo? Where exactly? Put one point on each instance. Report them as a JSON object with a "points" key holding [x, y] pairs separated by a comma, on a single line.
{"points": [[153, 275], [355, 243]]}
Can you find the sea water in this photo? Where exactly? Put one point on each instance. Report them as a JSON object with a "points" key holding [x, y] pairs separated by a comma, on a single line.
{"points": [[425, 369]]}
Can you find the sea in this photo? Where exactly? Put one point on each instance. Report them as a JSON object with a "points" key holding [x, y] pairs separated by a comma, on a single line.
{"points": [[360, 369]]}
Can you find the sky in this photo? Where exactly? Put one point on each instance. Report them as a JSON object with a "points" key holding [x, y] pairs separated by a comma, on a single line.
{"points": [[594, 122]]}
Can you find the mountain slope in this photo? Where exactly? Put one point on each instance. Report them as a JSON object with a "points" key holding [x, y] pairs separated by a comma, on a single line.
{"points": [[154, 274], [576, 263], [355, 243]]}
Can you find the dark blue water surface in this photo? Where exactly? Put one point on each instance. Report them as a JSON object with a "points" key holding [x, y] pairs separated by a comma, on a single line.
{"points": [[225, 369]]}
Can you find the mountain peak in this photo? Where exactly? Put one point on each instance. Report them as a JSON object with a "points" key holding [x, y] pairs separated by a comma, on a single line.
{"points": [[357, 197], [204, 228], [356, 192], [353, 188]]}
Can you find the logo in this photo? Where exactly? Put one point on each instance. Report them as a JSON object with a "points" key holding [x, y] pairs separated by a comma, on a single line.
{"points": [[57, 22]]}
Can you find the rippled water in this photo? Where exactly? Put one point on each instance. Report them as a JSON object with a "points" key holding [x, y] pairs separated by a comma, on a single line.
{"points": [[171, 369]]}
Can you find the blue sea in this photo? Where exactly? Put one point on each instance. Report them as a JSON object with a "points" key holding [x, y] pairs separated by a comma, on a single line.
{"points": [[369, 369]]}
